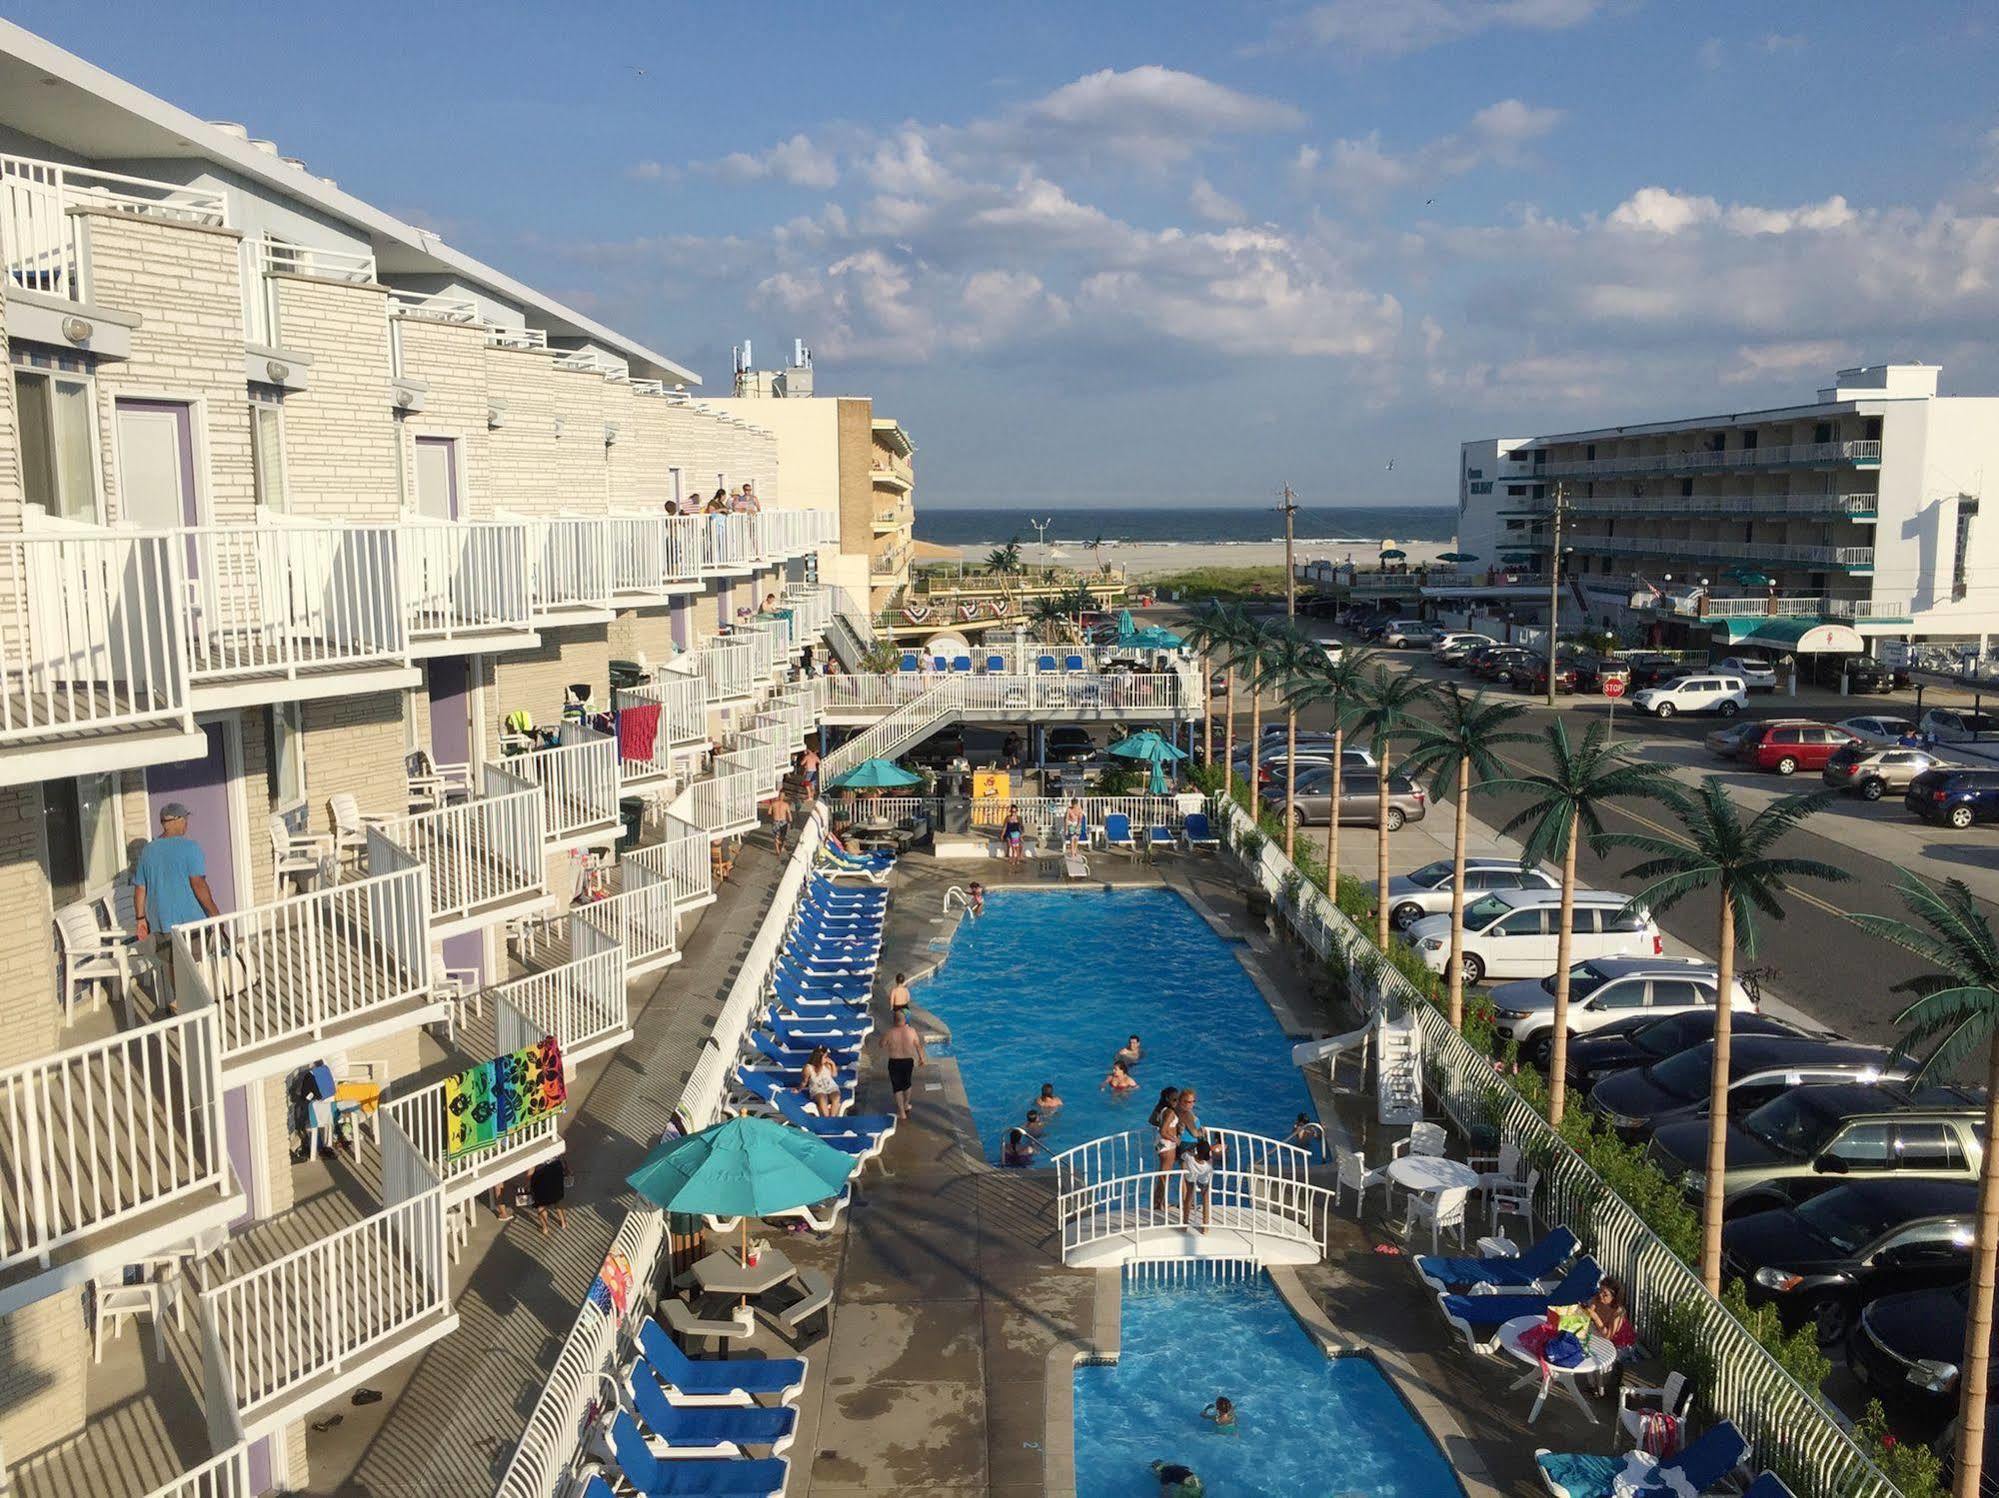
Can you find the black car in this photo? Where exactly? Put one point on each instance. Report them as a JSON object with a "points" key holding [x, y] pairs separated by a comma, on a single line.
{"points": [[1905, 1349], [1638, 1101], [1821, 1262], [1954, 797], [1865, 674], [1641, 1039], [1649, 668], [1067, 744]]}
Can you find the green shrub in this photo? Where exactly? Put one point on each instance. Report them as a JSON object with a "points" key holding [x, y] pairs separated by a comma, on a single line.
{"points": [[1915, 1470]]}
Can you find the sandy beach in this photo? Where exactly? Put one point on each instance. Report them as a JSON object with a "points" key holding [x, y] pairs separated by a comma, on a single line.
{"points": [[1142, 559]]}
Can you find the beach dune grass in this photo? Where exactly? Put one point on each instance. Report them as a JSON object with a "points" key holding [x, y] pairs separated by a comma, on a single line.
{"points": [[1197, 584]]}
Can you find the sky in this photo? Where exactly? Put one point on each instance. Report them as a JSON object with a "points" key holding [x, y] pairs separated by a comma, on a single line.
{"points": [[1166, 253]]}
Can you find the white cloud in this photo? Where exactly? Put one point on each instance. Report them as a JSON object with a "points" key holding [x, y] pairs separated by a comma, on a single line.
{"points": [[1801, 360], [1660, 210], [1362, 168], [1833, 213], [1712, 53], [1150, 114], [1212, 204], [1778, 41], [1392, 28], [797, 161]]}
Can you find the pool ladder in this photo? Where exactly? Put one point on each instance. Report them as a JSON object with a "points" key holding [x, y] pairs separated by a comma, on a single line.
{"points": [[956, 892]]}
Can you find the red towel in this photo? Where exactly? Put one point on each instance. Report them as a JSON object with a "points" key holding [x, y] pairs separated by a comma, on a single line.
{"points": [[638, 731]]}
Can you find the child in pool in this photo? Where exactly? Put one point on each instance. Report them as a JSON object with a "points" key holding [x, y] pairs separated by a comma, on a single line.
{"points": [[1119, 1080], [1048, 1102], [1222, 1412]]}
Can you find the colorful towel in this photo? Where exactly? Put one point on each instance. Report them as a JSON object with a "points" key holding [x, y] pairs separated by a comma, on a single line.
{"points": [[496, 1097], [611, 1291]]}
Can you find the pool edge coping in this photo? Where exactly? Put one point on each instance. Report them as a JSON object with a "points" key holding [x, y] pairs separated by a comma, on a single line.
{"points": [[1058, 1387]]}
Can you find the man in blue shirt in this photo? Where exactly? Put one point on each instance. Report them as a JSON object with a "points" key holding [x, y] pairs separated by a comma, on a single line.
{"points": [[170, 885]]}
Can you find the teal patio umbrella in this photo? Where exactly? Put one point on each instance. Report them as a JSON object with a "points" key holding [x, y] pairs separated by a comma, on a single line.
{"points": [[1394, 553], [743, 1167], [876, 775], [1147, 746], [1153, 637], [1457, 556]]}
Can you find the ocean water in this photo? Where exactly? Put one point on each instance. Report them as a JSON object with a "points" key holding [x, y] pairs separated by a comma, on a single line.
{"points": [[1210, 524], [1308, 1426], [1046, 986]]}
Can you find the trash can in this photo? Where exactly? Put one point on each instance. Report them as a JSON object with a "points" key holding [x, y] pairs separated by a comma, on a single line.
{"points": [[631, 811]]}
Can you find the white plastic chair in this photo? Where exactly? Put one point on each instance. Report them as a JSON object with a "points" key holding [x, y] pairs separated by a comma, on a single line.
{"points": [[1354, 1174], [350, 824], [1424, 1139], [1516, 1197], [92, 957], [295, 853], [1443, 1211], [1636, 1401], [118, 1302], [459, 988]]}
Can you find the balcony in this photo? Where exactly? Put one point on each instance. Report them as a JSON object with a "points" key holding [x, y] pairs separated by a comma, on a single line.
{"points": [[1861, 508], [485, 858], [264, 261], [640, 922], [579, 784], [570, 570], [93, 654], [725, 804], [427, 1122], [891, 562], [733, 667], [320, 972], [891, 476], [655, 558], [423, 307], [731, 545], [110, 1151], [665, 719], [517, 338], [1702, 460], [788, 533], [681, 858], [887, 522], [811, 610], [582, 1003], [44, 244], [1855, 559], [465, 586], [1856, 611]]}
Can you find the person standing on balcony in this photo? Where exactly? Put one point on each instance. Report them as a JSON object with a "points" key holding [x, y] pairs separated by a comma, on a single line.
{"points": [[747, 502], [170, 890], [718, 503]]}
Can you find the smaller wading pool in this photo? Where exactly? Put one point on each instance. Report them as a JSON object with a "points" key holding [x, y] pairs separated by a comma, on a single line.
{"points": [[1308, 1426]]}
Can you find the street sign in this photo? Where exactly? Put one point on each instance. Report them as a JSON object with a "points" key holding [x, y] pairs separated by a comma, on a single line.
{"points": [[1613, 686]]}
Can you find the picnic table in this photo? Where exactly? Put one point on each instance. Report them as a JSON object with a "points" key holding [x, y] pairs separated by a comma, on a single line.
{"points": [[722, 1273]]}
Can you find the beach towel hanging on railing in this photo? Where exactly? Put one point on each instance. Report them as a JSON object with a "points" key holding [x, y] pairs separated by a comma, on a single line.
{"points": [[489, 1101]]}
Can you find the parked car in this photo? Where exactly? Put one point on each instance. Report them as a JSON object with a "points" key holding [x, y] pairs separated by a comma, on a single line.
{"points": [[1641, 1039], [1760, 1067], [1451, 645], [1878, 730], [1067, 743], [1865, 674], [1428, 890], [1533, 676], [1945, 725], [1758, 676], [941, 748], [1495, 664], [1271, 771], [1810, 1138], [1470, 659], [1648, 668], [1705, 692], [1821, 1262], [1871, 772], [1905, 1349], [1954, 797], [1402, 633], [1515, 933], [1592, 671], [1790, 747], [1334, 651], [1603, 990], [1726, 741], [1360, 799]]}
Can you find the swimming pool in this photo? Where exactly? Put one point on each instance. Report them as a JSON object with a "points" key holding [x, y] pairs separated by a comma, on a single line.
{"points": [[1046, 986], [1308, 1426]]}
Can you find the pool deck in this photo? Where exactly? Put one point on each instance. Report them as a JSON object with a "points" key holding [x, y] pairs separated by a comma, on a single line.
{"points": [[947, 1370]]}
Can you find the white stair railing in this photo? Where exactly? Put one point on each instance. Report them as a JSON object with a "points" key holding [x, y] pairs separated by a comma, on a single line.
{"points": [[224, 1476], [914, 720]]}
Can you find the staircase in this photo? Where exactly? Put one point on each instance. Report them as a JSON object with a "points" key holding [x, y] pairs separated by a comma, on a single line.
{"points": [[849, 634], [1398, 1060], [910, 723]]}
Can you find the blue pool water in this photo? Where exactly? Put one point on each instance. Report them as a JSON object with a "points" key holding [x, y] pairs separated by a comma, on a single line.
{"points": [[1309, 1426], [1045, 987]]}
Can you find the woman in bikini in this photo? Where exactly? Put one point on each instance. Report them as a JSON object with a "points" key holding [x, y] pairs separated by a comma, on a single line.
{"points": [[820, 1081]]}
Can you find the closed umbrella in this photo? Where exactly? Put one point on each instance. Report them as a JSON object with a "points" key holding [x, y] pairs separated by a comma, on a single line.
{"points": [[743, 1167], [876, 775], [1152, 749]]}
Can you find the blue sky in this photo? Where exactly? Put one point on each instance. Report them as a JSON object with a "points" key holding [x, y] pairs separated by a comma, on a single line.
{"points": [[1141, 254]]}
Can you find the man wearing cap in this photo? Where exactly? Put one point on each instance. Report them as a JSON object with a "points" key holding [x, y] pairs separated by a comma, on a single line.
{"points": [[170, 885]]}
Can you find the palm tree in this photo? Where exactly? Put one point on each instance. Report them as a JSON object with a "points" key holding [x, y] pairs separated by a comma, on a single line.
{"points": [[1386, 704], [1957, 1006], [1201, 632], [1733, 857], [1255, 658], [1046, 615], [1005, 560], [1455, 750], [1566, 803], [1340, 682], [1290, 658]]}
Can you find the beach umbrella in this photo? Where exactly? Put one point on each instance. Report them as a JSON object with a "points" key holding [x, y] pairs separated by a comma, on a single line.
{"points": [[1149, 747], [1457, 556], [742, 1167], [1393, 553], [1152, 637], [1750, 577], [1517, 559], [876, 775]]}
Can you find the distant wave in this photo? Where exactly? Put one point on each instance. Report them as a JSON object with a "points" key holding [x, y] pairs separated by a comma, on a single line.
{"points": [[1074, 529]]}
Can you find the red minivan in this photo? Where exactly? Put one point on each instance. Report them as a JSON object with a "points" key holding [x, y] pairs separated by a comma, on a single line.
{"points": [[1790, 747]]}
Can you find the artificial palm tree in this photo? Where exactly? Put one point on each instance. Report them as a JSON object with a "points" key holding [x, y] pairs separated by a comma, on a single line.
{"points": [[1257, 654], [1230, 627], [1046, 615], [1340, 682], [1207, 633], [1454, 750], [1290, 658], [1566, 802], [1957, 1008], [1733, 857], [1388, 701]]}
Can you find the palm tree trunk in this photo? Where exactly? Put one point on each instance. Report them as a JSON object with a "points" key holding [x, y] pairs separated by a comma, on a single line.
{"points": [[1558, 1058], [1972, 1370], [1333, 818], [1228, 732], [1207, 709], [1381, 850], [1290, 781], [1717, 1116], [1457, 966], [1255, 742]]}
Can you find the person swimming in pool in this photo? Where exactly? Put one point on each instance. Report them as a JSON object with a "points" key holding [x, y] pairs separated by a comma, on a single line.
{"points": [[1119, 1079], [1130, 1053], [1308, 1135], [1019, 1148], [1176, 1480], [1048, 1102], [1222, 1412]]}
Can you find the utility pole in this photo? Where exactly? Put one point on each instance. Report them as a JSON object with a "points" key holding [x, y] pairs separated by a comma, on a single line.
{"points": [[1555, 584], [1290, 508]]}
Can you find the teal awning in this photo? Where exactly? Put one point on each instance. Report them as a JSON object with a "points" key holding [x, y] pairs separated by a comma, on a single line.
{"points": [[1792, 635]]}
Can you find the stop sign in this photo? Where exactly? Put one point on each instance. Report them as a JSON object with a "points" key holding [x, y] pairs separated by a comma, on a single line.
{"points": [[1613, 686]]}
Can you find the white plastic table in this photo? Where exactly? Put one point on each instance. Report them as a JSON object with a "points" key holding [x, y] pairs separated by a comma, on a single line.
{"points": [[1427, 1173], [1598, 1355]]}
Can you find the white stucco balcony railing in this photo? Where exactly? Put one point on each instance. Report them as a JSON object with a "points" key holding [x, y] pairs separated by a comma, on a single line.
{"points": [[45, 247], [730, 543], [579, 783], [582, 1004], [681, 857], [485, 857], [725, 803], [569, 566], [290, 600], [425, 1121], [677, 704], [464, 580], [95, 1138], [1702, 460], [1850, 506], [520, 338], [427, 307], [733, 667], [1849, 557], [92, 639]]}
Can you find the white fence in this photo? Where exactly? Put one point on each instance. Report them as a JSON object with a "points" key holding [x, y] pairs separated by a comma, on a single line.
{"points": [[480, 853], [293, 970], [97, 1134], [92, 635], [681, 859], [581, 1003], [578, 779], [1786, 1425], [729, 543], [679, 703], [1702, 461], [224, 1476], [464, 576], [44, 246], [730, 667], [422, 1119], [569, 564], [286, 598], [640, 918]]}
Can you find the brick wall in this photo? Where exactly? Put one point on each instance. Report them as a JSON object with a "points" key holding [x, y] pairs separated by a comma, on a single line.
{"points": [[521, 461], [647, 443], [450, 358], [44, 1354], [28, 1013], [581, 467], [650, 633], [857, 488], [355, 744], [186, 286], [535, 679], [340, 432]]}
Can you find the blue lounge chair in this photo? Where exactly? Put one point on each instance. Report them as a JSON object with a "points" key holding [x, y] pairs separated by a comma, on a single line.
{"points": [[1044, 663], [939, 663], [715, 1477], [791, 1107], [1476, 1314], [996, 665], [1584, 1474], [1536, 1264], [1161, 840], [908, 663], [691, 1381], [714, 1430], [1072, 663], [771, 1049], [1117, 832], [1769, 1485], [808, 1033], [961, 663], [1199, 832]]}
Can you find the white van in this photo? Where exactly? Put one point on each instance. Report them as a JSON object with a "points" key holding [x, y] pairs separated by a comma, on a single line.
{"points": [[1701, 692], [1514, 933]]}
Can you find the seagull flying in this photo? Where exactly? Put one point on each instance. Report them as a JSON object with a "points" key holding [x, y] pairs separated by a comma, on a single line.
{"points": [[1391, 465]]}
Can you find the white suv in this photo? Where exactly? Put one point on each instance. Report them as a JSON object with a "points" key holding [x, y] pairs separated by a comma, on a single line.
{"points": [[1702, 692], [1516, 933], [1428, 890], [1602, 991]]}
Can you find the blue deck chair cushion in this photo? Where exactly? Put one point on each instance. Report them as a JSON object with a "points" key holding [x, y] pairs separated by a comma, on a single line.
{"points": [[908, 663], [996, 664], [751, 1375], [1117, 828], [1543, 1259], [1490, 1310], [1711, 1457], [961, 663], [1044, 663], [1072, 663], [1769, 1485], [1199, 829], [717, 1477], [706, 1425]]}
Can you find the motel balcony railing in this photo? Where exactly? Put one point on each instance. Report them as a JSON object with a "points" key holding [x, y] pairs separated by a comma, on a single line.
{"points": [[1702, 460], [425, 1122], [732, 667], [569, 566], [224, 1476], [725, 803], [654, 555], [263, 298], [582, 1003], [1834, 506], [1853, 557], [811, 606], [485, 857], [640, 921], [464, 578], [680, 701], [45, 247], [578, 779], [730, 543], [680, 857]]}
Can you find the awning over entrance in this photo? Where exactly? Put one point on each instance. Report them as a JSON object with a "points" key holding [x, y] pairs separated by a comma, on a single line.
{"points": [[1797, 636]]}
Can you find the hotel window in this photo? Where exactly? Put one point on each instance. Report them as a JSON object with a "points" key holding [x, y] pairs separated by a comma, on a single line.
{"points": [[80, 827], [1474, 473], [58, 468], [1516, 490], [267, 450], [1967, 511], [287, 770]]}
